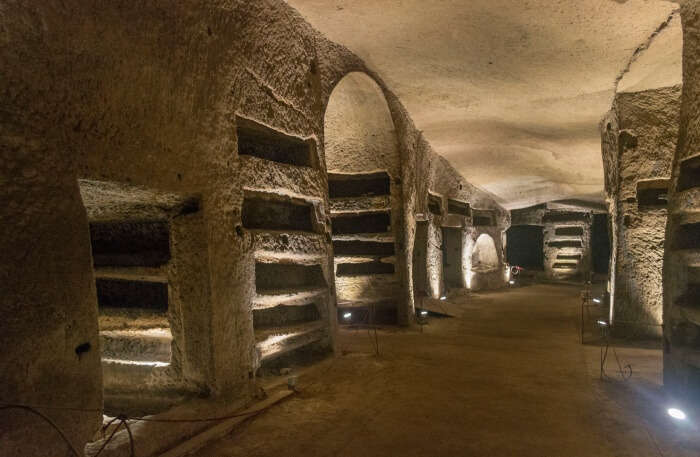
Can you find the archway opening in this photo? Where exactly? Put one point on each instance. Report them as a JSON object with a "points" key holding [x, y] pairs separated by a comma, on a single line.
{"points": [[484, 255], [525, 246], [452, 257], [362, 160]]}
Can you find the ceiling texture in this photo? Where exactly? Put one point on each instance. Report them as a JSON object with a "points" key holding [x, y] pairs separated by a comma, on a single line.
{"points": [[510, 91]]}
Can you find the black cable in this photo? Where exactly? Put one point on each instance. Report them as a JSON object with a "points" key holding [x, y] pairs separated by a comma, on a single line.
{"points": [[46, 419]]}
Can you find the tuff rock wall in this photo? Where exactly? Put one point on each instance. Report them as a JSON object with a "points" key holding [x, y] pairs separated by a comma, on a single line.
{"points": [[155, 99], [681, 275], [638, 142]]}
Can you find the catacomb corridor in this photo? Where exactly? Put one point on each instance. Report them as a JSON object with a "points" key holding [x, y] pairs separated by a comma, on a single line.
{"points": [[350, 228]]}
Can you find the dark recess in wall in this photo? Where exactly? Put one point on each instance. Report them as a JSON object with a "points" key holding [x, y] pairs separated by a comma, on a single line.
{"points": [[458, 207], [565, 244], [122, 244], [482, 218], [284, 315], [652, 193], [569, 257], [364, 268], [688, 236], [564, 216], [361, 223], [525, 246], [260, 213], [600, 243], [285, 276], [568, 231], [434, 204], [689, 174], [118, 293], [260, 141], [362, 185], [357, 247]]}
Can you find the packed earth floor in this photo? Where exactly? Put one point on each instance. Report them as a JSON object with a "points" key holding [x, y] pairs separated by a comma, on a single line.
{"points": [[508, 377]]}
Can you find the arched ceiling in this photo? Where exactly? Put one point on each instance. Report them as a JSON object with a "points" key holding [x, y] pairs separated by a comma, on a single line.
{"points": [[510, 92]]}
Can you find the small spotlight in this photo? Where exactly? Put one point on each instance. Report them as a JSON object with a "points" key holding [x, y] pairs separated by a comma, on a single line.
{"points": [[596, 300], [602, 323], [676, 414], [443, 297], [424, 313], [511, 282], [347, 316]]}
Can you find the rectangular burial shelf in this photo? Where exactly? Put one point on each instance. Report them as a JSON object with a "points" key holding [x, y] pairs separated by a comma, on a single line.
{"points": [[363, 248], [275, 342], [652, 193], [483, 218], [565, 244], [268, 212], [379, 222], [688, 236], [569, 257], [689, 176], [263, 142], [140, 345], [568, 231], [270, 277], [364, 268], [286, 312], [344, 185], [120, 293], [434, 204], [565, 266], [130, 243], [565, 216], [458, 207]]}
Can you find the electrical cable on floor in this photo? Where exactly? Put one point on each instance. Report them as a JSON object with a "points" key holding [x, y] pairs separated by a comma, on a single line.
{"points": [[123, 421]]}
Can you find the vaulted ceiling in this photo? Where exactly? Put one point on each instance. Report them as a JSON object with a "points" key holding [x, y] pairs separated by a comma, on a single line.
{"points": [[510, 92]]}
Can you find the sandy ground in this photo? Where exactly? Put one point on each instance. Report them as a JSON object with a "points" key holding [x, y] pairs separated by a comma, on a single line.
{"points": [[507, 378]]}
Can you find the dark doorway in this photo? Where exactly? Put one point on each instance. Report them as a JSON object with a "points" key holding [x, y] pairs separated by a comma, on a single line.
{"points": [[525, 246], [600, 243], [452, 257], [420, 266]]}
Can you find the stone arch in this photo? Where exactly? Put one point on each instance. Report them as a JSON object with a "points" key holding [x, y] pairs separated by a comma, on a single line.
{"points": [[484, 255], [362, 158]]}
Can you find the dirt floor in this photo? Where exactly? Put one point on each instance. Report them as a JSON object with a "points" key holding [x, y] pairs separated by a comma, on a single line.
{"points": [[508, 377]]}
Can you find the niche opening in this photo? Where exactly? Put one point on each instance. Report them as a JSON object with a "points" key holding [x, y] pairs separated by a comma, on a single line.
{"points": [[261, 141], [568, 231], [565, 244], [341, 185], [458, 207], [483, 218], [364, 268], [435, 204], [689, 176], [652, 193], [358, 247], [271, 214], [361, 223], [271, 276]]}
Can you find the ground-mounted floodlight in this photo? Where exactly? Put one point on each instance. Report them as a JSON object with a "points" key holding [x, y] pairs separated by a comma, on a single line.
{"points": [[443, 298], [511, 282], [676, 413]]}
